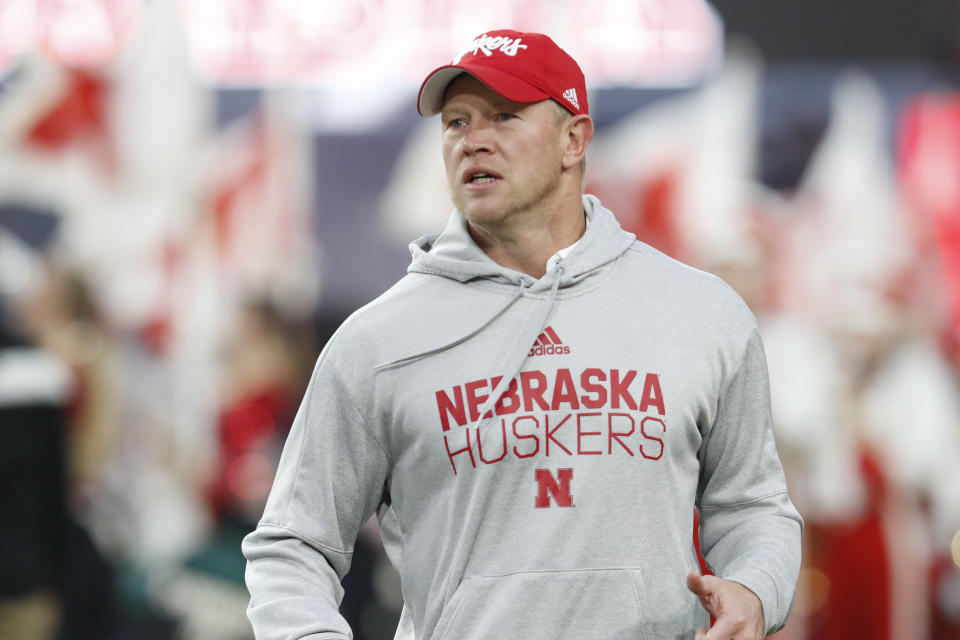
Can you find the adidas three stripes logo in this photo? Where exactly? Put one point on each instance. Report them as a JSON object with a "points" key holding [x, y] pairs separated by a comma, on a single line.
{"points": [[548, 343]]}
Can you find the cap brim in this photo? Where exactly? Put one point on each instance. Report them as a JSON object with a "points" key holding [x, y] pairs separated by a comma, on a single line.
{"points": [[434, 88]]}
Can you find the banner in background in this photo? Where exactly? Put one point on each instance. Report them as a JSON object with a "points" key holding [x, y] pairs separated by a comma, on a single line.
{"points": [[255, 42]]}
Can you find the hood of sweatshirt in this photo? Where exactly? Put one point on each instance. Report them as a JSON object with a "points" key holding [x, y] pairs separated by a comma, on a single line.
{"points": [[453, 254]]}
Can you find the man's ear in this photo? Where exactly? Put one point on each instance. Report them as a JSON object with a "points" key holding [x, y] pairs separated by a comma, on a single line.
{"points": [[578, 133]]}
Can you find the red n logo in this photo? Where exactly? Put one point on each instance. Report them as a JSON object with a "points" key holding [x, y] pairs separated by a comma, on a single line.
{"points": [[558, 487]]}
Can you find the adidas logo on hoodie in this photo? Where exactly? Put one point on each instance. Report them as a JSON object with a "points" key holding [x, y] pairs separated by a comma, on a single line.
{"points": [[548, 343]]}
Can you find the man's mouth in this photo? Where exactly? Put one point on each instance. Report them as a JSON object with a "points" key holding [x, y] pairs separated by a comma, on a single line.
{"points": [[479, 177]]}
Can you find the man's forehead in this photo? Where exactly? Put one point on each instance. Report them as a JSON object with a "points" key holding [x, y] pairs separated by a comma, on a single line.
{"points": [[466, 88]]}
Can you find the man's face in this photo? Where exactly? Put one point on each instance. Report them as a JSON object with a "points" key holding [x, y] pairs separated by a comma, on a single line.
{"points": [[503, 159]]}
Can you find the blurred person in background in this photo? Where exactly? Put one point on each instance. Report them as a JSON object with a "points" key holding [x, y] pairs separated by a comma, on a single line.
{"points": [[59, 314], [34, 393], [261, 385], [410, 404]]}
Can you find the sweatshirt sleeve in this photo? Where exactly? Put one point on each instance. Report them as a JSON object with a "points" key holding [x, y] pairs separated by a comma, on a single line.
{"points": [[330, 479], [749, 529]]}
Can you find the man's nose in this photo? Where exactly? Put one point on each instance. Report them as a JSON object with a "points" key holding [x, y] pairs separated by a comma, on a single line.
{"points": [[479, 138]]}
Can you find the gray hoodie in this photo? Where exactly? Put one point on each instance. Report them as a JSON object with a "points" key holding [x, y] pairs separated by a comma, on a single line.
{"points": [[534, 451]]}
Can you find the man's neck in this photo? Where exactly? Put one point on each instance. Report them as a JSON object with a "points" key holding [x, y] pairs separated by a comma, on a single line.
{"points": [[527, 242]]}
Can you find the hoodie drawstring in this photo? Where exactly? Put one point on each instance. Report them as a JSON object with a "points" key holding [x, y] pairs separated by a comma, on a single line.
{"points": [[518, 350], [518, 293], [521, 347]]}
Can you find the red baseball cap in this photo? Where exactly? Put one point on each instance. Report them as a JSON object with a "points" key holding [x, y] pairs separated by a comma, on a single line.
{"points": [[523, 67]]}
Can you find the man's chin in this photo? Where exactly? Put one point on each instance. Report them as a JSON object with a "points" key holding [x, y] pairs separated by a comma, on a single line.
{"points": [[480, 212]]}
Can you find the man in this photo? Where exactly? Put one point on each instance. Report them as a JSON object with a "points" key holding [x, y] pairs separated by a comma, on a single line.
{"points": [[535, 410]]}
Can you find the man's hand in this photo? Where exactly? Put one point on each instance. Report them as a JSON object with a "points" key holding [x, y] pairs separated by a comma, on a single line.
{"points": [[736, 609]]}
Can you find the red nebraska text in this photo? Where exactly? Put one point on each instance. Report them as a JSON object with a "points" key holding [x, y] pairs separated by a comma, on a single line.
{"points": [[593, 388]]}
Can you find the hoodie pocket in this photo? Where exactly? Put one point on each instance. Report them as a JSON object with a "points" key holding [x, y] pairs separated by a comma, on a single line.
{"points": [[547, 605]]}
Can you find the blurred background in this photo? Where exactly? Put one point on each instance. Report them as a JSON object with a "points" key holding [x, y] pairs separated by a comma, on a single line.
{"points": [[194, 194]]}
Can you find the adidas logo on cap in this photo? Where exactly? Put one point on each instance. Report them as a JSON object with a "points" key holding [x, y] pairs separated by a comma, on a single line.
{"points": [[570, 95], [548, 343]]}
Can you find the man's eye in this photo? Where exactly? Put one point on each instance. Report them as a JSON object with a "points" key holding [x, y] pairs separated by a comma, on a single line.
{"points": [[502, 117], [456, 123]]}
